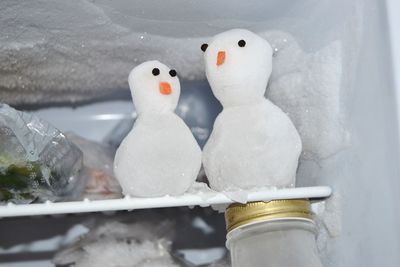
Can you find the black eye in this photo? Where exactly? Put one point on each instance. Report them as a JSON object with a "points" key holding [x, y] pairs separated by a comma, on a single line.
{"points": [[172, 73], [242, 43], [204, 47], [155, 71]]}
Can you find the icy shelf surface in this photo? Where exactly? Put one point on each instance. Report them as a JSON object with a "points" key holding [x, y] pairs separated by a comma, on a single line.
{"points": [[199, 197]]}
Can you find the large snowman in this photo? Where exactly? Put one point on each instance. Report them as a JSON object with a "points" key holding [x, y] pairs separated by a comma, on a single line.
{"points": [[160, 155], [253, 143]]}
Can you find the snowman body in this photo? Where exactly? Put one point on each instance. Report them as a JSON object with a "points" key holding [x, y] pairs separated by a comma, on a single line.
{"points": [[247, 145], [160, 155], [253, 143], [156, 158]]}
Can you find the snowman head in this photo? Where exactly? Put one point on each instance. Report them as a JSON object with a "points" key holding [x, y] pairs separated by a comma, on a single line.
{"points": [[154, 87], [238, 65]]}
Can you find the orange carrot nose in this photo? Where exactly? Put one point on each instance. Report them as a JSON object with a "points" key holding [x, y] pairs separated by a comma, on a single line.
{"points": [[220, 58], [165, 88]]}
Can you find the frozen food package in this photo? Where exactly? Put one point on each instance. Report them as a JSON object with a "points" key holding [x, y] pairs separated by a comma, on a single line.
{"points": [[37, 161]]}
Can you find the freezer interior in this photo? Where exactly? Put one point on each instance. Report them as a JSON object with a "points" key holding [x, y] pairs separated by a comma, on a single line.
{"points": [[333, 73]]}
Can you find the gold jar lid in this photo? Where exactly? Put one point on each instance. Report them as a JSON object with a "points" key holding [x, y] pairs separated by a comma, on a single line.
{"points": [[240, 214]]}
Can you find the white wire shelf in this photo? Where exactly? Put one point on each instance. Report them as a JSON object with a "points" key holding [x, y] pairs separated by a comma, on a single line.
{"points": [[203, 198]]}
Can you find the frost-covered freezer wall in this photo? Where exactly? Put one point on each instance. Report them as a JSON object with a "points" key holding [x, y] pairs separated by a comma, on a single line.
{"points": [[70, 51], [366, 176]]}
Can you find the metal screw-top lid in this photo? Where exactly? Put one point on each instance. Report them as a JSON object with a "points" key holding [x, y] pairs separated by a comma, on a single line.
{"points": [[240, 214]]}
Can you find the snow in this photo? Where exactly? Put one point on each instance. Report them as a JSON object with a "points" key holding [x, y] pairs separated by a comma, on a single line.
{"points": [[252, 147], [160, 155], [71, 52], [118, 244], [253, 144], [307, 87], [46, 56]]}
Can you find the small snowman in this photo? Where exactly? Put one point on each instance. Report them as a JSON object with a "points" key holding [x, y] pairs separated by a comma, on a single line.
{"points": [[160, 155], [253, 143]]}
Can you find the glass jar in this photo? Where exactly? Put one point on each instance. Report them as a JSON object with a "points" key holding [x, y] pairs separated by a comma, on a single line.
{"points": [[275, 233]]}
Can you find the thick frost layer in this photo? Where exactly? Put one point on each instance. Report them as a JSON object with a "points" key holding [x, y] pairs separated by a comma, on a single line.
{"points": [[123, 253], [329, 223], [50, 55], [117, 244], [57, 51], [307, 88], [71, 51]]}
